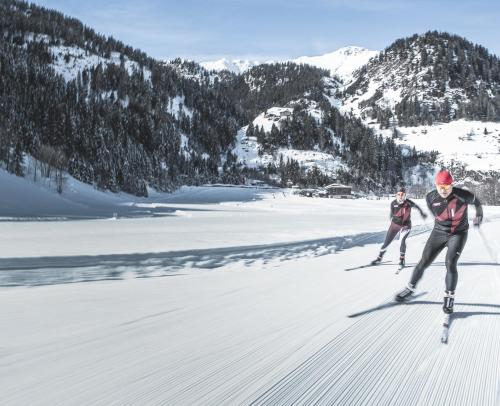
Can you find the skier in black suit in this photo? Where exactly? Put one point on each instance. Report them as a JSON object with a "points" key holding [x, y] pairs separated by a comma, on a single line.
{"points": [[448, 204], [400, 215]]}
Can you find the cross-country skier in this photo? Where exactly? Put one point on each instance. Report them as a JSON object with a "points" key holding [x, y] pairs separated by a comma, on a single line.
{"points": [[400, 215], [448, 204]]}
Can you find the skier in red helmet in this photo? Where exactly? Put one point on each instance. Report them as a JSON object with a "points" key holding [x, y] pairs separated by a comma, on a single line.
{"points": [[448, 204]]}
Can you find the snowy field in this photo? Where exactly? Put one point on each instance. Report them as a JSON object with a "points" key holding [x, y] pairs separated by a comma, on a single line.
{"points": [[225, 296]]}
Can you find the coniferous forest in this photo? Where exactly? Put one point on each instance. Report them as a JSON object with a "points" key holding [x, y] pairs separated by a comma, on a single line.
{"points": [[129, 122]]}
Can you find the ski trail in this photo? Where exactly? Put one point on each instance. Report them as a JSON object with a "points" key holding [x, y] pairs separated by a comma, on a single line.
{"points": [[277, 336]]}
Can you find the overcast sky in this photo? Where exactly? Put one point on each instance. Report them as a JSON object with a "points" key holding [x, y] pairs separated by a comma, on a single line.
{"points": [[278, 29]]}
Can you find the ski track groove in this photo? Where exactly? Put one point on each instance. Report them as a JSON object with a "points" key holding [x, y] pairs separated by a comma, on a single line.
{"points": [[391, 356], [411, 369]]}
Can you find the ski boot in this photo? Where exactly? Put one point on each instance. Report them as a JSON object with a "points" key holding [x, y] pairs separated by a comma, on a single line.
{"points": [[401, 262], [449, 300], [377, 260], [406, 294]]}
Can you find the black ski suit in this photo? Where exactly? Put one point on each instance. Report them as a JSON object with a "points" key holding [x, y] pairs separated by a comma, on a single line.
{"points": [[400, 215], [450, 229]]}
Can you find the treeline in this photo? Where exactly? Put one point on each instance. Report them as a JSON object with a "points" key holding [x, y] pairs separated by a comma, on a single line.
{"points": [[376, 163], [138, 122], [115, 125], [126, 126], [19, 18], [269, 85]]}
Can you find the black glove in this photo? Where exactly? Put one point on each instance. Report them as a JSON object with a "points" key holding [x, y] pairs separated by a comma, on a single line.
{"points": [[477, 221]]}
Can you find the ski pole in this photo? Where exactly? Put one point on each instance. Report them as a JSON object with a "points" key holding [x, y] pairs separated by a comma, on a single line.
{"points": [[488, 248]]}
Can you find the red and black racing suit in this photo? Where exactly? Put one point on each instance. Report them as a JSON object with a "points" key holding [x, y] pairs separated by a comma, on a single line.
{"points": [[450, 229], [400, 215]]}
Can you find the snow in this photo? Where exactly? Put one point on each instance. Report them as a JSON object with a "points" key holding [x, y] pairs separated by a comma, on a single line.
{"points": [[23, 199], [237, 66], [247, 151], [352, 104], [184, 147], [70, 60], [247, 148], [241, 302], [272, 116], [342, 63], [396, 79], [459, 140], [221, 295], [80, 59], [176, 106]]}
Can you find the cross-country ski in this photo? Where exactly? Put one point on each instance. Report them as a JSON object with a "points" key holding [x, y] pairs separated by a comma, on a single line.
{"points": [[369, 265], [446, 328]]}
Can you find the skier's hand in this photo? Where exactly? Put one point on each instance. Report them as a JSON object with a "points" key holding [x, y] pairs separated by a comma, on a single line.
{"points": [[477, 221], [424, 216]]}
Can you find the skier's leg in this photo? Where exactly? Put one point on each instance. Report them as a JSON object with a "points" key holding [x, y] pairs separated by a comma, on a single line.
{"points": [[434, 245], [456, 244], [405, 231], [391, 234]]}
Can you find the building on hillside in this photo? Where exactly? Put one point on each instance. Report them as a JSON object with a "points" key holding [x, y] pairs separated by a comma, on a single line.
{"points": [[286, 114], [339, 191]]}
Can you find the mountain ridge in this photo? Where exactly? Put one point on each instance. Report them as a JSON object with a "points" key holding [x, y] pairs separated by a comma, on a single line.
{"points": [[115, 118]]}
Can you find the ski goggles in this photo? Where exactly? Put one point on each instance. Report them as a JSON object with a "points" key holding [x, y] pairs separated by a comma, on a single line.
{"points": [[444, 188]]}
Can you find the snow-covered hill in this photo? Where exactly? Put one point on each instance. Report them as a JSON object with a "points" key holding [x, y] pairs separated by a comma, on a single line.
{"points": [[70, 61], [22, 199], [250, 154], [475, 144]]}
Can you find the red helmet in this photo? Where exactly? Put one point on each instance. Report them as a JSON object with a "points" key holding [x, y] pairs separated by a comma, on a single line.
{"points": [[444, 178]]}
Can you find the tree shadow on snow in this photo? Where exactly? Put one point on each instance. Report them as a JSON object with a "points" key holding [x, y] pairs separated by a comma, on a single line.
{"points": [[53, 270]]}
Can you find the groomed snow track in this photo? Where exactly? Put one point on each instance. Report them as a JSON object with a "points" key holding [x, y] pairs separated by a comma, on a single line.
{"points": [[275, 334]]}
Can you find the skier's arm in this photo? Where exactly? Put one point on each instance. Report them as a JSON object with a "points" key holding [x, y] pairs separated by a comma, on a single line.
{"points": [[479, 209], [429, 203], [422, 213], [470, 198]]}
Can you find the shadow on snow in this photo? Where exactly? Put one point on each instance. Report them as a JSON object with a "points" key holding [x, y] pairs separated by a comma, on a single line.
{"points": [[67, 269]]}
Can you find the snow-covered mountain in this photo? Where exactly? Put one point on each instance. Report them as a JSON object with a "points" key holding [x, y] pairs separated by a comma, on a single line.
{"points": [[123, 121], [434, 77], [342, 63], [435, 92], [413, 92], [236, 66]]}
